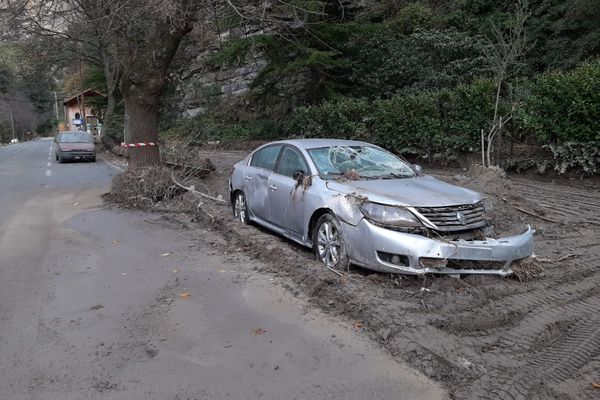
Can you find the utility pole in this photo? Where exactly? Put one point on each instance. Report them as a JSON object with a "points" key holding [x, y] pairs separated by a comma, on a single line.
{"points": [[56, 105], [12, 123], [82, 104]]}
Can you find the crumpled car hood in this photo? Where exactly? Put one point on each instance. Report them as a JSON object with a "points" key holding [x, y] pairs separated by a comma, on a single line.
{"points": [[421, 191]]}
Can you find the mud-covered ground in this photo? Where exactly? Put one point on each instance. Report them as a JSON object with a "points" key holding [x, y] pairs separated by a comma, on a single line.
{"points": [[483, 337]]}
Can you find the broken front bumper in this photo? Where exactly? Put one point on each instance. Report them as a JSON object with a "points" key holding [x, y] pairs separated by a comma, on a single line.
{"points": [[374, 247]]}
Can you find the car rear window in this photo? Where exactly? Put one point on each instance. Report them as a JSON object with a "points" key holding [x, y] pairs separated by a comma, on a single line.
{"points": [[75, 137], [266, 157]]}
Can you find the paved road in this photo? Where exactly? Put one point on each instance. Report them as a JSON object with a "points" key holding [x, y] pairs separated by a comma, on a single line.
{"points": [[99, 303]]}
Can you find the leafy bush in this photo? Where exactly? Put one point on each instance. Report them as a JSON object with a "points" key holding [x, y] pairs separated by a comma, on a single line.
{"points": [[5, 132], [436, 124], [564, 106], [210, 127], [411, 17], [387, 64], [346, 118], [578, 156]]}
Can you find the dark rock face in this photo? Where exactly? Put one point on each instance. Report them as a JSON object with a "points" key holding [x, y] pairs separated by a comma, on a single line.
{"points": [[204, 85]]}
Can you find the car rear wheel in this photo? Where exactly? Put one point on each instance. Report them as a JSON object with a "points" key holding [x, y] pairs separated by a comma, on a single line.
{"points": [[240, 208], [329, 244]]}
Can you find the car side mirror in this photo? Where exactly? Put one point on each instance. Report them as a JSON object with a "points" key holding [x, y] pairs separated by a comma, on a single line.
{"points": [[298, 176], [418, 168]]}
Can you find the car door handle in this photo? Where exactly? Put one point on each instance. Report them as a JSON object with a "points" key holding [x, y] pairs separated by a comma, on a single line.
{"points": [[273, 187], [248, 178]]}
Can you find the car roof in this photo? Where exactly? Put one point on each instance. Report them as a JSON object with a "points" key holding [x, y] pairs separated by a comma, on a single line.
{"points": [[316, 143]]}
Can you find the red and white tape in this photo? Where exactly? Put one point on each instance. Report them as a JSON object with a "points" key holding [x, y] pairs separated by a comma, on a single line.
{"points": [[138, 144]]}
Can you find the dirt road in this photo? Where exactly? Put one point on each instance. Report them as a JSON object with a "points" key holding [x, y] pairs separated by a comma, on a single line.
{"points": [[483, 337], [102, 303]]}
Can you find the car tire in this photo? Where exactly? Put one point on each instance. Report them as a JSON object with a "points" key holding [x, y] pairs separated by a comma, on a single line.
{"points": [[93, 159], [240, 208], [56, 156], [60, 159], [329, 244]]}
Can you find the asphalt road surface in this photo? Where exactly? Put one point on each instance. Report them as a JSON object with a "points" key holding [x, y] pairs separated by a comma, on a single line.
{"points": [[101, 303]]}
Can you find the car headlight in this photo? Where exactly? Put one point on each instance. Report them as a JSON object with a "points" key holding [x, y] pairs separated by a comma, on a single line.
{"points": [[389, 215]]}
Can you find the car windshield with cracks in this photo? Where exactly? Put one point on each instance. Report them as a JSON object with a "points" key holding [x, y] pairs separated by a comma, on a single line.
{"points": [[359, 162]]}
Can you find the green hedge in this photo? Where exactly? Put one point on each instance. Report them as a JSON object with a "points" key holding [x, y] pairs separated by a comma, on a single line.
{"points": [[562, 107], [209, 127], [432, 124]]}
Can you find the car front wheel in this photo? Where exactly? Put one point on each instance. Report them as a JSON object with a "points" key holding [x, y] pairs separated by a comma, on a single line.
{"points": [[240, 208], [329, 244]]}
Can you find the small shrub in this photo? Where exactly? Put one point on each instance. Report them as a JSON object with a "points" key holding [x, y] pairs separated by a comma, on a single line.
{"points": [[411, 17], [346, 118], [576, 156], [143, 187]]}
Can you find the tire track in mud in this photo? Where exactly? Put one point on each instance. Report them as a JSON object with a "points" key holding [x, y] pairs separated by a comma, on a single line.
{"points": [[511, 309], [520, 339], [552, 189], [556, 363], [577, 206]]}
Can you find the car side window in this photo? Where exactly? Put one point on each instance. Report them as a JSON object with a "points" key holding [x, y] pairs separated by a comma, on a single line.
{"points": [[266, 158], [291, 161]]}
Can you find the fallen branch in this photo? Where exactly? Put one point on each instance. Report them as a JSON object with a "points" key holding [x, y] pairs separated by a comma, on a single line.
{"points": [[527, 269], [192, 170], [335, 271], [193, 190], [535, 215]]}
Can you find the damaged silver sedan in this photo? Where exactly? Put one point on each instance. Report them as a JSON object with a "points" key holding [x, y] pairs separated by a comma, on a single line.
{"points": [[354, 202]]}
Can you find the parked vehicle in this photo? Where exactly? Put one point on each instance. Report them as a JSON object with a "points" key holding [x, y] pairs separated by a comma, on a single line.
{"points": [[354, 202], [75, 145]]}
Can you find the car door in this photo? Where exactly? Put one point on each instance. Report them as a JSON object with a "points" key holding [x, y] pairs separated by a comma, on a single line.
{"points": [[286, 196], [256, 178]]}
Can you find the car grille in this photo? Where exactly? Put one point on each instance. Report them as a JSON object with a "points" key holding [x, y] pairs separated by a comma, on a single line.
{"points": [[455, 218]]}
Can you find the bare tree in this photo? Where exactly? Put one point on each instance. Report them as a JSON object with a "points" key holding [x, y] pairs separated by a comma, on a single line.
{"points": [[135, 41], [144, 37], [505, 54]]}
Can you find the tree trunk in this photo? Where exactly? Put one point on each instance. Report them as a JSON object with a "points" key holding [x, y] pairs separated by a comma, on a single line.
{"points": [[110, 128], [141, 126], [499, 141], [108, 122], [143, 81]]}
